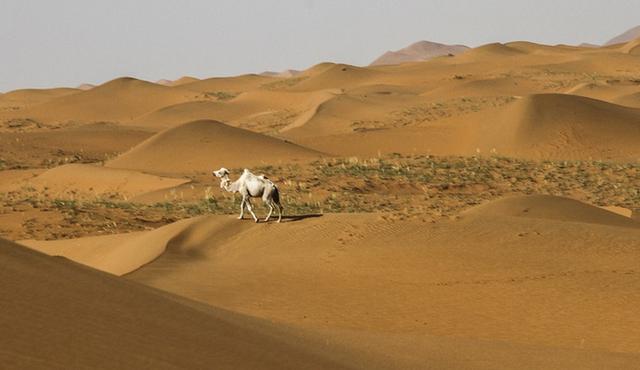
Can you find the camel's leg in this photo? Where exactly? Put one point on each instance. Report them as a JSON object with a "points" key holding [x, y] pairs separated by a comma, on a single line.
{"points": [[270, 204], [250, 208], [242, 203], [280, 209]]}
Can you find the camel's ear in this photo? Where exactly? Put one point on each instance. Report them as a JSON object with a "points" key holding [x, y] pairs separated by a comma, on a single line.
{"points": [[222, 172]]}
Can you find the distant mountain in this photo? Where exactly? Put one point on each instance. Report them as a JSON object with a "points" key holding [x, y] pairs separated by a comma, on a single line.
{"points": [[285, 73], [86, 86], [421, 50], [181, 81], [631, 34], [588, 45]]}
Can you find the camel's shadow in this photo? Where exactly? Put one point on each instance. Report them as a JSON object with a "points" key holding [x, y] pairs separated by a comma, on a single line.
{"points": [[295, 218], [287, 218]]}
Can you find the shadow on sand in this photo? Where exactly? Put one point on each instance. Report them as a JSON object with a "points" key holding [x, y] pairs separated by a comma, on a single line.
{"points": [[294, 218], [285, 218]]}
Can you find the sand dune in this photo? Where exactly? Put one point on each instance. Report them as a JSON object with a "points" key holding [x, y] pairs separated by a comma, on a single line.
{"points": [[202, 146], [619, 93], [632, 47], [531, 271], [57, 314], [19, 99], [544, 126], [122, 99], [419, 51], [563, 126], [630, 100], [115, 254], [518, 54], [595, 90], [551, 208]]}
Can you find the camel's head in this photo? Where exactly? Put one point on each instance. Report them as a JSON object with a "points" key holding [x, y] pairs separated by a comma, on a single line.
{"points": [[221, 173]]}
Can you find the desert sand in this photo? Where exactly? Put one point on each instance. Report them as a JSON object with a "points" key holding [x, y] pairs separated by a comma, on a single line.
{"points": [[477, 210], [507, 271]]}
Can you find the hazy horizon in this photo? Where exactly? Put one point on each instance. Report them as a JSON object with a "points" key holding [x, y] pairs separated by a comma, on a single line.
{"points": [[71, 42]]}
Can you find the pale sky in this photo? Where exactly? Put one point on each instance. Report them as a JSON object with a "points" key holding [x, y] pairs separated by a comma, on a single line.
{"points": [[68, 42]]}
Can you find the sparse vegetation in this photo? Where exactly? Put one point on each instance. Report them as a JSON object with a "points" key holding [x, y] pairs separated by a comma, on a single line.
{"points": [[431, 112], [408, 186], [284, 83], [220, 95]]}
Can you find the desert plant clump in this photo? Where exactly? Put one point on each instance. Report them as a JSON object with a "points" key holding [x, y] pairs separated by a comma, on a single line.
{"points": [[220, 95], [423, 186]]}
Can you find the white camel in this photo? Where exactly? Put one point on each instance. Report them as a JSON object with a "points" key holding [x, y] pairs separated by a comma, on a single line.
{"points": [[251, 186]]}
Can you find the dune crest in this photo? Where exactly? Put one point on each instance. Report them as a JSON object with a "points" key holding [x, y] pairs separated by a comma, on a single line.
{"points": [[549, 207]]}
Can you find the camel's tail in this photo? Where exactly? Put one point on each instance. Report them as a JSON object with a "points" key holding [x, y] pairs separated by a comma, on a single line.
{"points": [[276, 196]]}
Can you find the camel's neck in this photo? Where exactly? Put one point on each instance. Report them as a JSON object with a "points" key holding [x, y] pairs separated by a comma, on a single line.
{"points": [[229, 186]]}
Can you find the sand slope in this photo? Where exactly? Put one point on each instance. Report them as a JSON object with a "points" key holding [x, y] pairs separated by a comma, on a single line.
{"points": [[22, 98], [548, 207], [201, 146], [563, 127], [57, 314], [437, 280], [81, 180], [632, 47], [535, 272], [115, 254]]}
